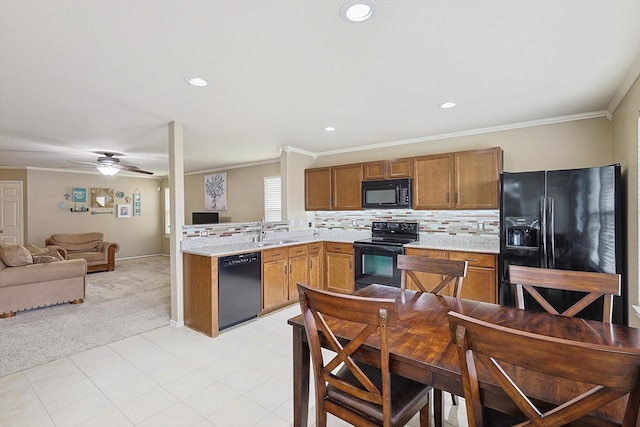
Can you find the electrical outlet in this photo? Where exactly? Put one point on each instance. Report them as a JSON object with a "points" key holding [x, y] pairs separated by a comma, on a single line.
{"points": [[204, 233]]}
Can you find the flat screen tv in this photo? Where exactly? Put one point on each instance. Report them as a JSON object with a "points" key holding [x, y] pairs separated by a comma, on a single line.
{"points": [[204, 218]]}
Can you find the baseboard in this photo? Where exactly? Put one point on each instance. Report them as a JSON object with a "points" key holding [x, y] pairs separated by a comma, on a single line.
{"points": [[176, 324], [141, 256]]}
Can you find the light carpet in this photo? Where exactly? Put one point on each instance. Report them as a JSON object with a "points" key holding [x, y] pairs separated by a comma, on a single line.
{"points": [[132, 299]]}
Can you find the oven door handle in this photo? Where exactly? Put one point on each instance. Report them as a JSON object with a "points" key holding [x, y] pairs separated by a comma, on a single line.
{"points": [[388, 248]]}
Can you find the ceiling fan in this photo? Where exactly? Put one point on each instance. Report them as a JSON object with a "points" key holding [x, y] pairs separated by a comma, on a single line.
{"points": [[110, 165]]}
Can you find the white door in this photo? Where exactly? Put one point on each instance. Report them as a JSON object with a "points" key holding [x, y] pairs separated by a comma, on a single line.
{"points": [[11, 228]]}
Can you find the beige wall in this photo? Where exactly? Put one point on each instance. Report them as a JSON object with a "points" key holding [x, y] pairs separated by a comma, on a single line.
{"points": [[574, 144], [625, 146], [292, 172], [245, 192], [138, 235]]}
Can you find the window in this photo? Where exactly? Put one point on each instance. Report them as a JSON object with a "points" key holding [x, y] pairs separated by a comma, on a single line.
{"points": [[272, 199], [167, 212]]}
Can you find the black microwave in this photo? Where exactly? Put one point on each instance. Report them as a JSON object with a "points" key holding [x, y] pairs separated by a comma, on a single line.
{"points": [[387, 194]]}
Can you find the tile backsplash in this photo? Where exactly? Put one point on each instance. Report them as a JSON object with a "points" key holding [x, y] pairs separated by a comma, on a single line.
{"points": [[485, 223]]}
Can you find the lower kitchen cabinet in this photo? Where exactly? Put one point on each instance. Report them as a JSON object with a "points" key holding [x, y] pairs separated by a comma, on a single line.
{"points": [[275, 277], [298, 269], [339, 275], [480, 283], [282, 269], [316, 255]]}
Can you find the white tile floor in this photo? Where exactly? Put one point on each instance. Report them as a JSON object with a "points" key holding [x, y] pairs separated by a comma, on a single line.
{"points": [[169, 377]]}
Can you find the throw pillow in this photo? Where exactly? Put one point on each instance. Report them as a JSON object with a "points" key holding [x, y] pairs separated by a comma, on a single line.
{"points": [[43, 259], [15, 255], [2, 266], [50, 252]]}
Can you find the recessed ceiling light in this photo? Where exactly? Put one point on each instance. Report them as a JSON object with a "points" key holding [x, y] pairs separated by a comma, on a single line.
{"points": [[329, 129], [358, 10], [449, 104], [197, 81]]}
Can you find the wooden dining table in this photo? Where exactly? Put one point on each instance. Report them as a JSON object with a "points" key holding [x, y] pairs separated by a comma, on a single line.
{"points": [[421, 349]]}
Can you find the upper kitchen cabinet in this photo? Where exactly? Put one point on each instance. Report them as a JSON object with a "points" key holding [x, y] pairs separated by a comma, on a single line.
{"points": [[462, 180], [388, 169], [334, 188], [346, 187], [317, 189]]}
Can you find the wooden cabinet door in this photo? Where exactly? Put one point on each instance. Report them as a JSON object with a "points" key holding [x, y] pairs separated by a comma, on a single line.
{"points": [[374, 170], [315, 265], [481, 283], [399, 168], [275, 276], [298, 269], [346, 187], [429, 280], [476, 180], [388, 169], [432, 182], [340, 276], [317, 189], [298, 272]]}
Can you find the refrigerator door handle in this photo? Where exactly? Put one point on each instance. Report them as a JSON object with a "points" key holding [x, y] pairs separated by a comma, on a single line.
{"points": [[552, 233], [543, 225]]}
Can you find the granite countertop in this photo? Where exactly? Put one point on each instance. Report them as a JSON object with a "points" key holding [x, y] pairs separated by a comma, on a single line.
{"points": [[447, 242], [490, 245]]}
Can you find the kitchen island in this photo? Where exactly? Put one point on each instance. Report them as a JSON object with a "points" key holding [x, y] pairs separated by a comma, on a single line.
{"points": [[288, 257]]}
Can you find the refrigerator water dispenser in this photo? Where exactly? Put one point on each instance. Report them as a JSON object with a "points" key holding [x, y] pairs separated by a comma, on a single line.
{"points": [[522, 232]]}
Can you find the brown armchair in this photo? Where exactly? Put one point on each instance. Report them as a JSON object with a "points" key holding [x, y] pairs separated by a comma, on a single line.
{"points": [[100, 255]]}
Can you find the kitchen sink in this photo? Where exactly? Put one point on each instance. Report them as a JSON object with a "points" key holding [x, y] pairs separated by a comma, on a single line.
{"points": [[273, 242]]}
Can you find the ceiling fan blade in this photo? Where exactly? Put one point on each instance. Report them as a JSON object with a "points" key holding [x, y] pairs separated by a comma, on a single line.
{"points": [[83, 163], [130, 168]]}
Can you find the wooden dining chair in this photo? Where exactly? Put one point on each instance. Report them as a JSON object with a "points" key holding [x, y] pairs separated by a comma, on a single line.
{"points": [[361, 394], [595, 285], [449, 271], [608, 372]]}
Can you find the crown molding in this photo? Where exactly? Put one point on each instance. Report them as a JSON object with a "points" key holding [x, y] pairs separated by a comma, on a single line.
{"points": [[244, 165], [512, 126], [624, 88], [290, 149]]}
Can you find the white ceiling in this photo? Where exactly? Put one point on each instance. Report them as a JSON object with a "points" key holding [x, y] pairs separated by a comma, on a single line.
{"points": [[83, 76]]}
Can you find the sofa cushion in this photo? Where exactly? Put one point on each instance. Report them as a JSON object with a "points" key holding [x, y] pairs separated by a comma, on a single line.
{"points": [[44, 255], [83, 242], [15, 255], [35, 273]]}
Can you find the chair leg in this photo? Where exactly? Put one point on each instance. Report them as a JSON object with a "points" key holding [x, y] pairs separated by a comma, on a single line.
{"points": [[437, 408], [425, 415]]}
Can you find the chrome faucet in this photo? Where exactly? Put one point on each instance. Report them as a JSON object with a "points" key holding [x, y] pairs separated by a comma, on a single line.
{"points": [[262, 233]]}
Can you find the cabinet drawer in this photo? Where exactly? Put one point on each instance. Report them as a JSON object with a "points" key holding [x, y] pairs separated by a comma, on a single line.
{"points": [[298, 250], [475, 259], [315, 248], [336, 247], [269, 255]]}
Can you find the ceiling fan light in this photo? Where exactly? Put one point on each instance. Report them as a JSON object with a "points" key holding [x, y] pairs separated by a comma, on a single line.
{"points": [[108, 170]]}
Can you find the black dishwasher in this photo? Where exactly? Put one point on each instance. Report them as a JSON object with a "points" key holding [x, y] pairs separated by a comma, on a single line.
{"points": [[239, 296]]}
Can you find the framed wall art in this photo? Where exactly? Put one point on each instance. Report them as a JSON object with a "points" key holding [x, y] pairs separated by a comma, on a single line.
{"points": [[79, 195], [102, 197], [215, 192], [136, 203], [124, 211]]}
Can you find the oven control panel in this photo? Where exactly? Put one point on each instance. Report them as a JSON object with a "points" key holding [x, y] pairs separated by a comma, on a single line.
{"points": [[388, 228]]}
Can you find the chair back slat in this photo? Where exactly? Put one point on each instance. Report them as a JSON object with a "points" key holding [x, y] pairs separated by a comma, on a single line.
{"points": [[605, 372], [322, 311], [594, 285], [451, 270]]}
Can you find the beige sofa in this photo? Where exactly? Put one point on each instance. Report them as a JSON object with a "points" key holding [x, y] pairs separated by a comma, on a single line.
{"points": [[100, 255], [36, 280]]}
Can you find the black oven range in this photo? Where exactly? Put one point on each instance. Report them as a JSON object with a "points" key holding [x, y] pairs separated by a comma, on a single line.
{"points": [[376, 258]]}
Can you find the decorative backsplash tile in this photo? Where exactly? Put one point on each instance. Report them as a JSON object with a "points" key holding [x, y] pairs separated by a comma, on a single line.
{"points": [[471, 223]]}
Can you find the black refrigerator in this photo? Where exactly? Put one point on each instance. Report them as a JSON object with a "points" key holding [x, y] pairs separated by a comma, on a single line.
{"points": [[567, 220]]}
